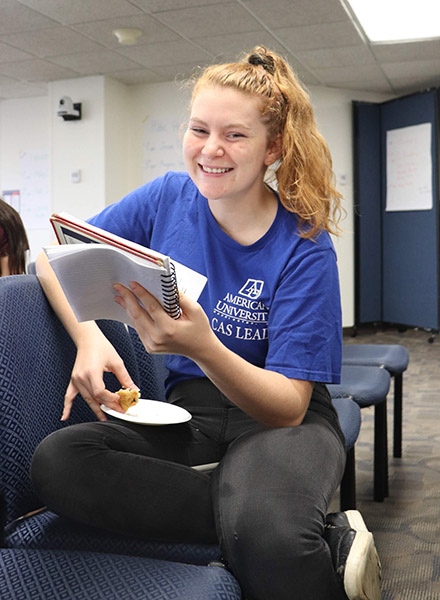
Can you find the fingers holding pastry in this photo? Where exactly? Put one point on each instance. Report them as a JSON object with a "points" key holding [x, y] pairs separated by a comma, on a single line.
{"points": [[94, 401], [128, 398], [71, 393]]}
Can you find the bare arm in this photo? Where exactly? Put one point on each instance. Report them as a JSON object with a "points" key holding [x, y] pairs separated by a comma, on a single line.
{"points": [[59, 303], [267, 396], [95, 353], [4, 265]]}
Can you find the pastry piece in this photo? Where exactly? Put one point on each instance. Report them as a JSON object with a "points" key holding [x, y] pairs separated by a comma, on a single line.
{"points": [[127, 398]]}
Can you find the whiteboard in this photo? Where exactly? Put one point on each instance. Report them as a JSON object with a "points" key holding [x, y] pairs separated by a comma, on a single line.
{"points": [[34, 189], [162, 147], [409, 168]]}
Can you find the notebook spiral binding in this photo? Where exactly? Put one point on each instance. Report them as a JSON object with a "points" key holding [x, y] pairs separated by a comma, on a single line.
{"points": [[171, 293]]}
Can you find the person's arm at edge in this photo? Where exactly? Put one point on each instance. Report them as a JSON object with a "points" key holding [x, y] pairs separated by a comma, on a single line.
{"points": [[55, 295], [4, 265], [84, 335]]}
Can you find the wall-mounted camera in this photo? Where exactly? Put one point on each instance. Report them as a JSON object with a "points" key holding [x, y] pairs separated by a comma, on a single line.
{"points": [[68, 110]]}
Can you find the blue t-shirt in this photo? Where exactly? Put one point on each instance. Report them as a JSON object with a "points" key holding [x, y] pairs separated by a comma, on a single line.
{"points": [[276, 302]]}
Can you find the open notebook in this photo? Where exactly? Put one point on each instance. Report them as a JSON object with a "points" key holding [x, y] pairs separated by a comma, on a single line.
{"points": [[89, 260]]}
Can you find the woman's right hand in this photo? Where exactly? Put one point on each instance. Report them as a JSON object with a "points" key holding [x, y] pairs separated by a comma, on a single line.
{"points": [[95, 355], [93, 359]]}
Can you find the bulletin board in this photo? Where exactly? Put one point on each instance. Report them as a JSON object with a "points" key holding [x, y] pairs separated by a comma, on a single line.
{"points": [[397, 203]]}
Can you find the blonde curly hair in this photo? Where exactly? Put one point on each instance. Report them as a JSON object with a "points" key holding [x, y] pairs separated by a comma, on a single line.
{"points": [[304, 175]]}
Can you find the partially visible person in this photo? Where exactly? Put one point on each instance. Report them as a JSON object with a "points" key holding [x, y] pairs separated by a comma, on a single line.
{"points": [[13, 241]]}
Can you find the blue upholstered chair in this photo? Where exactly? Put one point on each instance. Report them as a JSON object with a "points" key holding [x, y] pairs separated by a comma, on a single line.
{"points": [[395, 359], [349, 414], [59, 574], [369, 386], [43, 556]]}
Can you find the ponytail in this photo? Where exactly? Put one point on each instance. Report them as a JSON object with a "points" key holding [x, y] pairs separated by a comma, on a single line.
{"points": [[304, 175]]}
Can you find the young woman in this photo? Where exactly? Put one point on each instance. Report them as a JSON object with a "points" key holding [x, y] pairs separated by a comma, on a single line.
{"points": [[249, 361], [13, 241]]}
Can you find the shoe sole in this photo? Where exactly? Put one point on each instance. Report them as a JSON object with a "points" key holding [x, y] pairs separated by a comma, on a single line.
{"points": [[355, 520], [363, 569]]}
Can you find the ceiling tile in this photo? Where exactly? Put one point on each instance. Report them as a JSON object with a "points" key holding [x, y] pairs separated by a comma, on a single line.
{"points": [[16, 17], [157, 55], [307, 78], [154, 6], [224, 17], [79, 11], [290, 13], [102, 31], [407, 85], [333, 75], [311, 37], [35, 70], [421, 68], [9, 54], [381, 87], [388, 53], [232, 46], [6, 80], [346, 56], [95, 63], [180, 72], [51, 42]]}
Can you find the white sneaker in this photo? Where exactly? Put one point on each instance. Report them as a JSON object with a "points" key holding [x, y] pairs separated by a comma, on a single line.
{"points": [[354, 555]]}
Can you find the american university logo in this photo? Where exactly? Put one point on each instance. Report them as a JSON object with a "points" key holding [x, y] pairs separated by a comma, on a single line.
{"points": [[241, 315], [252, 289]]}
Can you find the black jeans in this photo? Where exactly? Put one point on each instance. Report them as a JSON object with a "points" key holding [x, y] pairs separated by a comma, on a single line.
{"points": [[265, 503]]}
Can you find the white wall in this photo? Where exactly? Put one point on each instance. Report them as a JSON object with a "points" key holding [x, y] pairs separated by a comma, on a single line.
{"points": [[78, 145], [112, 142], [117, 140], [24, 130]]}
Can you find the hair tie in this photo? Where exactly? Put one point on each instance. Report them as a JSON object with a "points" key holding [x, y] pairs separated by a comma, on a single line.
{"points": [[264, 61]]}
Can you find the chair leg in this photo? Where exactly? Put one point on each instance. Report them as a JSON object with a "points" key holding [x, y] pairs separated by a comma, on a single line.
{"points": [[397, 443], [380, 452], [348, 483]]}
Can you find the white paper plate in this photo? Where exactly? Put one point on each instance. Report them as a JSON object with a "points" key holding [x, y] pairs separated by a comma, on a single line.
{"points": [[151, 412]]}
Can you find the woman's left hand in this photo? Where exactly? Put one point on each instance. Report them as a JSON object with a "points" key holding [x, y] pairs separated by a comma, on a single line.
{"points": [[188, 335]]}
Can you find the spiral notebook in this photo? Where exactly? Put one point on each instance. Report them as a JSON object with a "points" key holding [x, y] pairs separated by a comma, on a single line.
{"points": [[89, 260]]}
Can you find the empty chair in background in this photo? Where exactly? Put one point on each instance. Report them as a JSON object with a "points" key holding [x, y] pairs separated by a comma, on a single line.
{"points": [[392, 357], [369, 386]]}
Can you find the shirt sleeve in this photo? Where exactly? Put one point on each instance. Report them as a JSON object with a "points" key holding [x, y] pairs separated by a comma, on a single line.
{"points": [[132, 217], [304, 328]]}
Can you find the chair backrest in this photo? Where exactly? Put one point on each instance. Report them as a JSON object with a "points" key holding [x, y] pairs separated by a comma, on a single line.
{"points": [[151, 369], [36, 360]]}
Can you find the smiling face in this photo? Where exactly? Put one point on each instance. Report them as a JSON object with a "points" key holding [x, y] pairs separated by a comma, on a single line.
{"points": [[226, 147]]}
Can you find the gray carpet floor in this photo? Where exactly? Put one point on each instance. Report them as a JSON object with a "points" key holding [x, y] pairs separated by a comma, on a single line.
{"points": [[406, 526]]}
